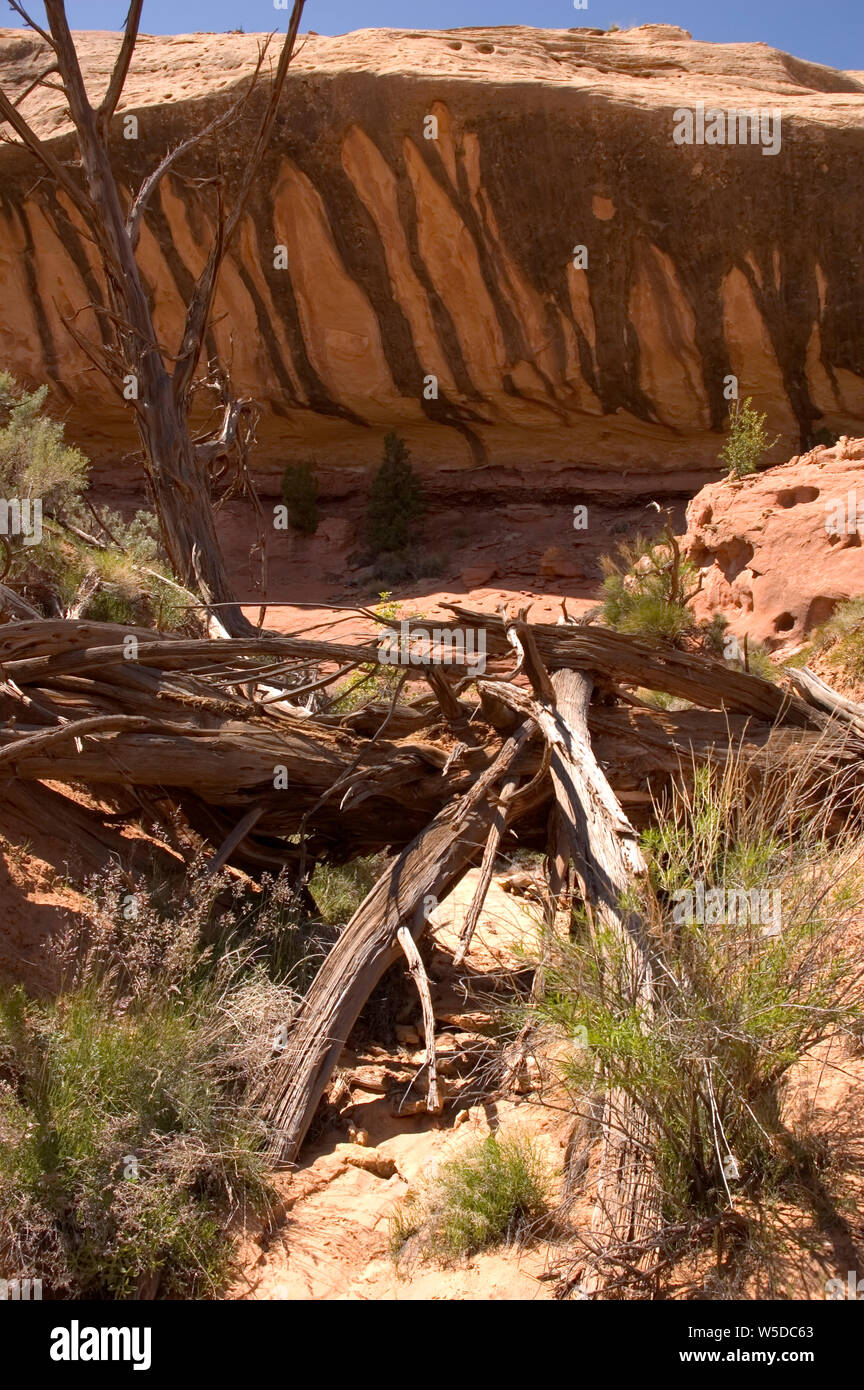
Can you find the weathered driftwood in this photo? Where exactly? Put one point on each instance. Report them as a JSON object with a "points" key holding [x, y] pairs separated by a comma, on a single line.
{"points": [[79, 703], [608, 865], [629, 661], [819, 694], [417, 971], [409, 888], [436, 779]]}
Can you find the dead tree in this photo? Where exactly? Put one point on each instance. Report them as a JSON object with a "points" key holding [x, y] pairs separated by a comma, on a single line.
{"points": [[196, 721], [178, 466], [608, 864], [410, 887]]}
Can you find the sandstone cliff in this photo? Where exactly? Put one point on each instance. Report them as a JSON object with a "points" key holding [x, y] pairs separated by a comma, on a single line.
{"points": [[409, 257], [777, 551]]}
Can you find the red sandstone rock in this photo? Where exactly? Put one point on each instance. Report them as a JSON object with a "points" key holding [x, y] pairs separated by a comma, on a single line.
{"points": [[479, 576], [546, 139], [556, 564], [778, 550]]}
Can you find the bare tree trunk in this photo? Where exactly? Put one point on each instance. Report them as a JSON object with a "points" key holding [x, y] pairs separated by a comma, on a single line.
{"points": [[181, 494], [411, 887], [177, 465], [608, 863]]}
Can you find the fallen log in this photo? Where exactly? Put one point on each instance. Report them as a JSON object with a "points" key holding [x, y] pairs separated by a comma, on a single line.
{"points": [[190, 719], [819, 694], [409, 888], [608, 864], [630, 661]]}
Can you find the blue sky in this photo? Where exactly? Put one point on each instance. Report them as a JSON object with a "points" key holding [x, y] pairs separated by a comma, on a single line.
{"points": [[831, 32]]}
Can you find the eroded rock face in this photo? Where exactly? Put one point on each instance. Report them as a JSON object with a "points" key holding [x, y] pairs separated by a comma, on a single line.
{"points": [[407, 258], [779, 550]]}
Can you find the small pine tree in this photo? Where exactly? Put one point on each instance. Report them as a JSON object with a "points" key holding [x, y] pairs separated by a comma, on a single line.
{"points": [[746, 441], [395, 500], [645, 590], [300, 495], [35, 460]]}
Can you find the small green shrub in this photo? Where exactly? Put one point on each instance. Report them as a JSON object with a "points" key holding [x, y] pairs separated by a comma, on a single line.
{"points": [[395, 501], [373, 683], [661, 699], [121, 569], [746, 441], [35, 460], [842, 638], [484, 1197], [738, 1000], [300, 495], [644, 591], [339, 889], [753, 657], [758, 662], [53, 576], [129, 1140]]}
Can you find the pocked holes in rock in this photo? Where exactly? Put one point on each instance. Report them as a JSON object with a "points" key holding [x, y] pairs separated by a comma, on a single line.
{"points": [[485, 48], [455, 44], [793, 496], [701, 556], [819, 611], [784, 622], [850, 541], [733, 556]]}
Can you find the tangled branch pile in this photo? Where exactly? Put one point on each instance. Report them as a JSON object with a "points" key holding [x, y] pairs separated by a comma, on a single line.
{"points": [[558, 746]]}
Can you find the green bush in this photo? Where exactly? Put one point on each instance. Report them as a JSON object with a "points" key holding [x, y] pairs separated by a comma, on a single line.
{"points": [[300, 495], [395, 500], [746, 441], [644, 591], [35, 460], [120, 569], [339, 889], [373, 683], [753, 657], [842, 638], [129, 1141], [736, 1003], [484, 1197], [114, 1129]]}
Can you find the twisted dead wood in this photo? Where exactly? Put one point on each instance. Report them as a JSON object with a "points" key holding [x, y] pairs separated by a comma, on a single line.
{"points": [[408, 889]]}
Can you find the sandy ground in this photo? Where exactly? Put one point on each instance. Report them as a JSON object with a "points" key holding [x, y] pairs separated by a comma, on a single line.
{"points": [[335, 1240]]}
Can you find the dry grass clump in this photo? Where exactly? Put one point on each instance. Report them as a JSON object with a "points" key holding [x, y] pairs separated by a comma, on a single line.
{"points": [[129, 1141], [752, 909], [484, 1197]]}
